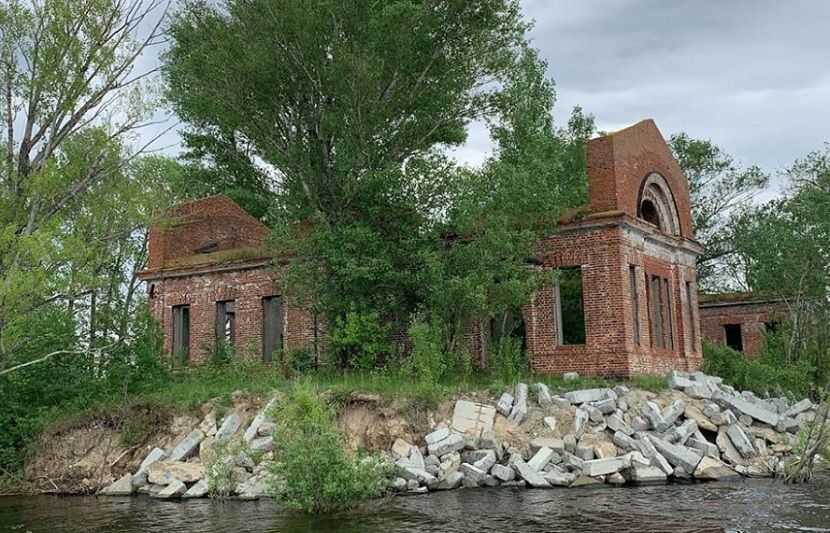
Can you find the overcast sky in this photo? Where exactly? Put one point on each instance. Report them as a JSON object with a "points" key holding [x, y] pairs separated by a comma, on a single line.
{"points": [[753, 75]]}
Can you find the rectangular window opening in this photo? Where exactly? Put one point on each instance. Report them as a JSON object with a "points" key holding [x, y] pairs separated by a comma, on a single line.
{"points": [[635, 306], [734, 339], [656, 313], [272, 327], [226, 321], [690, 311], [669, 313], [570, 306], [181, 333]]}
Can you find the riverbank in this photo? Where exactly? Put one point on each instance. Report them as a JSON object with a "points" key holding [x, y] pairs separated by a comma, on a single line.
{"points": [[697, 428]]}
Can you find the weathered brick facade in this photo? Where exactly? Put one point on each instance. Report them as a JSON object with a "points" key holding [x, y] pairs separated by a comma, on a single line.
{"points": [[210, 251], [632, 243], [750, 314], [613, 244]]}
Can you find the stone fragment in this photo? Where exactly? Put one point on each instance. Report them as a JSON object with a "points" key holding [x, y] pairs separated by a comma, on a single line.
{"points": [[187, 446], [167, 472], [694, 413], [437, 436], [602, 467], [615, 479], [798, 408], [557, 445], [703, 446], [486, 462], [755, 410], [741, 441], [638, 424], [584, 481], [533, 477], [174, 489], [543, 394], [619, 390], [617, 424], [122, 487], [607, 406], [671, 414], [589, 395], [711, 409], [727, 449], [452, 443], [505, 404], [262, 444], [412, 485], [644, 474], [472, 472], [679, 380], [541, 458], [680, 434], [594, 414], [401, 448], [560, 402], [253, 488], [200, 490], [625, 442], [569, 441], [472, 419], [519, 411], [570, 376], [266, 429], [604, 449], [549, 422], [676, 454], [788, 425], [585, 451], [712, 468], [228, 428], [450, 462], [253, 429], [745, 420], [652, 413], [559, 479], [504, 473], [156, 454], [580, 421], [699, 391], [416, 457], [725, 418], [451, 481]]}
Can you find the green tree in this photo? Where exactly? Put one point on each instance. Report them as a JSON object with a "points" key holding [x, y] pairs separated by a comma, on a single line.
{"points": [[344, 110], [720, 187]]}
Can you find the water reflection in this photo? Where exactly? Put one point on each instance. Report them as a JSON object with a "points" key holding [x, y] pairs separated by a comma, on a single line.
{"points": [[747, 506]]}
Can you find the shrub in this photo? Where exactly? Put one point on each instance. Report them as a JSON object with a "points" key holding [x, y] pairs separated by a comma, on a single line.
{"points": [[427, 362], [314, 472], [762, 375], [360, 340], [508, 361]]}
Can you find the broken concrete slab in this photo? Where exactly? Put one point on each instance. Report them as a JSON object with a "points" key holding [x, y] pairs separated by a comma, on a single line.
{"points": [[519, 410], [122, 487], [549, 422], [253, 429], [543, 395], [473, 419], [503, 473], [167, 472], [174, 489], [644, 474], [541, 458], [580, 421], [617, 424], [559, 479], [798, 408], [742, 405], [533, 477], [589, 395], [437, 436], [187, 446], [156, 454], [505, 404], [451, 481], [602, 467], [741, 441], [452, 443], [676, 454], [198, 490], [711, 468], [229, 427]]}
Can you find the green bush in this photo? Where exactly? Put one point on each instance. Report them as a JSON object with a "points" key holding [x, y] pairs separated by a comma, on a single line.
{"points": [[762, 375], [427, 361], [360, 341], [314, 472], [508, 361]]}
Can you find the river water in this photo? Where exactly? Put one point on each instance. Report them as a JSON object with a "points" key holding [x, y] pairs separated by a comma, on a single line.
{"points": [[752, 505]]}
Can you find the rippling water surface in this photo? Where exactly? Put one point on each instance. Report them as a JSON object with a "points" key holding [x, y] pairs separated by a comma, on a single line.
{"points": [[742, 506]]}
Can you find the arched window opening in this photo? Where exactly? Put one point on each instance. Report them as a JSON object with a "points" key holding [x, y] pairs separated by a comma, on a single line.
{"points": [[648, 212]]}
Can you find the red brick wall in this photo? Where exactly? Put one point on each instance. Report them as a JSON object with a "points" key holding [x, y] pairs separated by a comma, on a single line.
{"points": [[618, 164], [246, 286], [750, 316], [215, 220], [604, 252]]}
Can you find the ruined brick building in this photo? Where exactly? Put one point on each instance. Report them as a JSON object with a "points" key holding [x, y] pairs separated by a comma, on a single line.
{"points": [[740, 319], [622, 298]]}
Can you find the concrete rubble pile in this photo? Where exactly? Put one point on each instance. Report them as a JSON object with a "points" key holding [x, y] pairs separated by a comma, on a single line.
{"points": [[700, 429], [227, 455]]}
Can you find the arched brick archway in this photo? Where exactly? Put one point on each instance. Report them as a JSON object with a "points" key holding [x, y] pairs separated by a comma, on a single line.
{"points": [[656, 204]]}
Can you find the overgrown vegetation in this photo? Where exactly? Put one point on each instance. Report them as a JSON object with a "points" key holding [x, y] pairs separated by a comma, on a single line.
{"points": [[315, 473]]}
